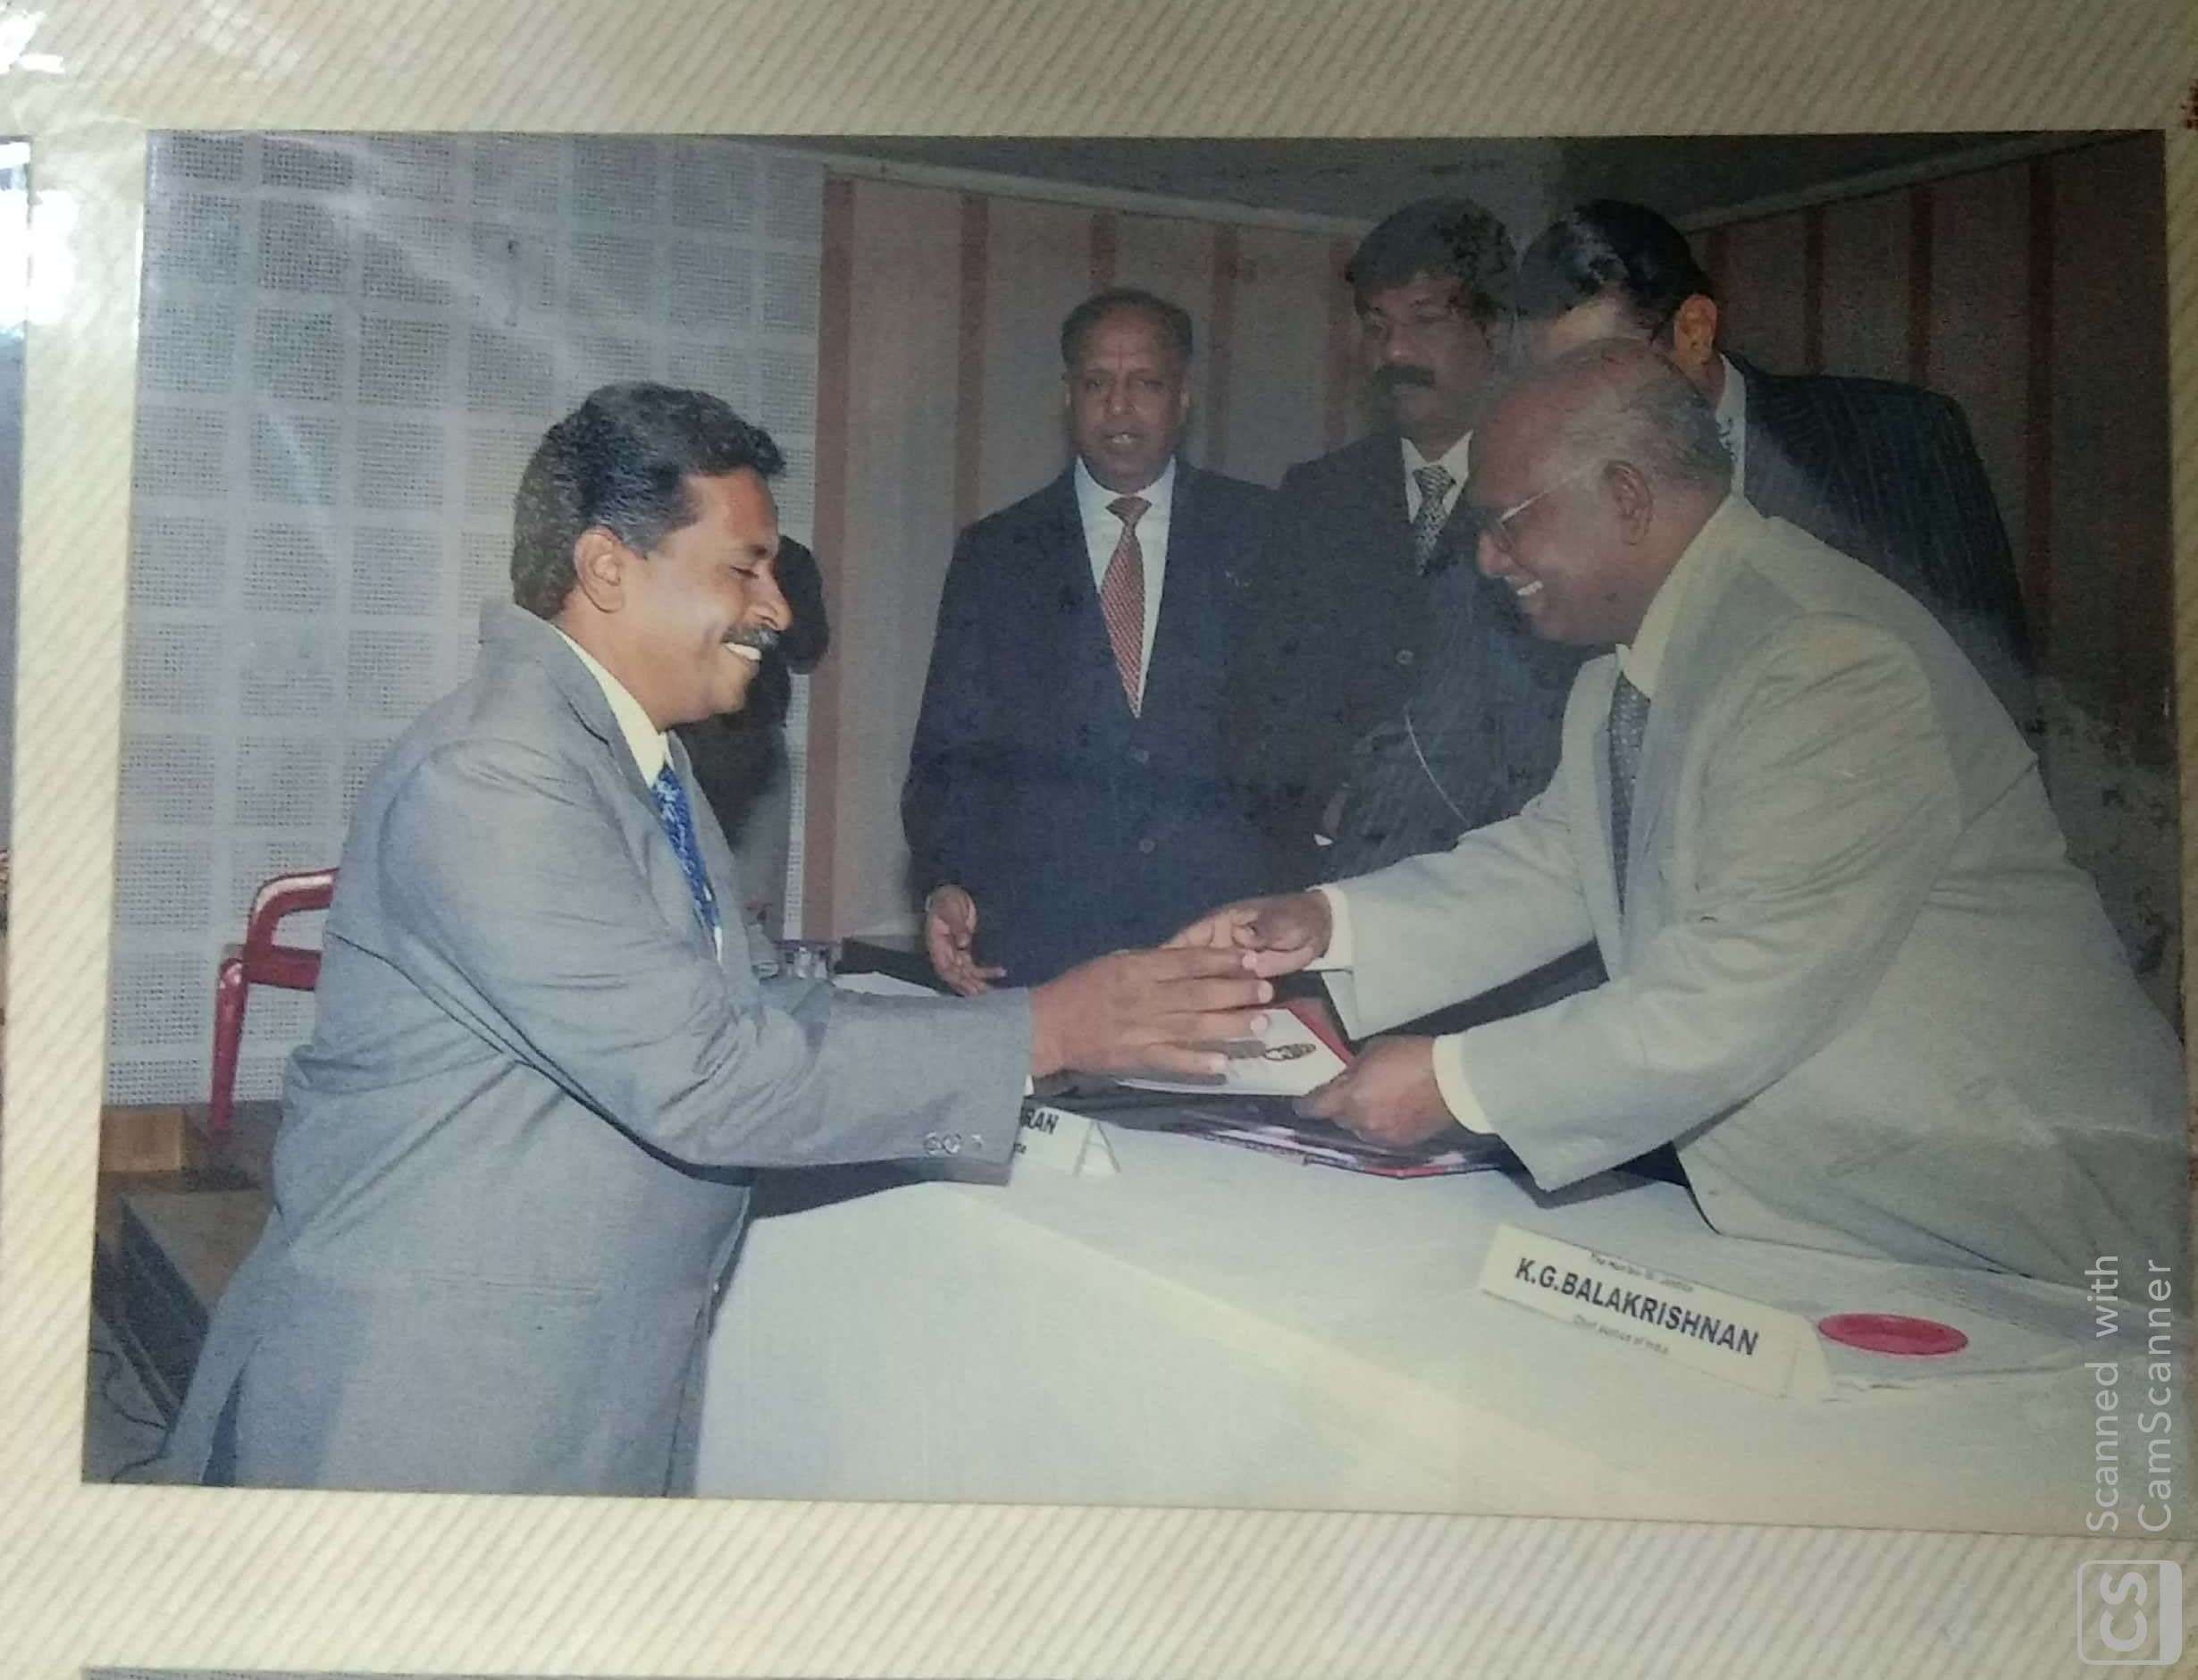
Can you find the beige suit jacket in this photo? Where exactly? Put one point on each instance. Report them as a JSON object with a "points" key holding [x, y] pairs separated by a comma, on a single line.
{"points": [[1857, 979]]}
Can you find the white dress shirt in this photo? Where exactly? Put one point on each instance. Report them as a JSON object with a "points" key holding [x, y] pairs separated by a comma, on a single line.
{"points": [[1642, 662], [1102, 530]]}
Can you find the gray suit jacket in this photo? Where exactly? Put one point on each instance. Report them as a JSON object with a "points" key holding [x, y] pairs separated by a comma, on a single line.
{"points": [[513, 1165], [1855, 979]]}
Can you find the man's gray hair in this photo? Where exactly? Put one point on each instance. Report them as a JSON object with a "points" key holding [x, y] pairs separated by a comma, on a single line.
{"points": [[1651, 415]]}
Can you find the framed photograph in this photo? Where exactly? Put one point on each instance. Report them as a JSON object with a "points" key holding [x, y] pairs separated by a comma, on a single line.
{"points": [[292, 346]]}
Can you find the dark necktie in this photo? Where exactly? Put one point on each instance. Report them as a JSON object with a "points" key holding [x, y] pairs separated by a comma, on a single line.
{"points": [[678, 819], [1434, 483], [1121, 598], [1629, 723]]}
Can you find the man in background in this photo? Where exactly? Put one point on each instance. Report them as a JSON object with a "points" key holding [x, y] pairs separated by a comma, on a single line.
{"points": [[1069, 791], [1884, 472], [1397, 700]]}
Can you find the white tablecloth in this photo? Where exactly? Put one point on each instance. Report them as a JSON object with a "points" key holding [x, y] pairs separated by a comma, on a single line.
{"points": [[1217, 1327]]}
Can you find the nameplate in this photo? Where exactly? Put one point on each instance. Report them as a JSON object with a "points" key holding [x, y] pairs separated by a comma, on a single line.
{"points": [[1063, 1140], [1762, 1348]]}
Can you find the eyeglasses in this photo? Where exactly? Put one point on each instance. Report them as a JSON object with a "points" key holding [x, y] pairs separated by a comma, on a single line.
{"points": [[1496, 527]]}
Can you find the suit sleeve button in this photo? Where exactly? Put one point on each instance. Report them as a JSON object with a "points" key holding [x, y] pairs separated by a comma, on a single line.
{"points": [[1145, 845], [1404, 656]]}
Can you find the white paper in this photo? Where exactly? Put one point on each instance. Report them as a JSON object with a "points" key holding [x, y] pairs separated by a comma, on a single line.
{"points": [[1304, 1064], [2016, 1326], [881, 985]]}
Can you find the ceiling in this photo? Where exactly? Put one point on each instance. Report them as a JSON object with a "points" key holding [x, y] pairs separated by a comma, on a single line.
{"points": [[1687, 178]]}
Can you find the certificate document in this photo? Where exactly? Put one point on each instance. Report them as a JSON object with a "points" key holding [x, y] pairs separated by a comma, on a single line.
{"points": [[1299, 1052]]}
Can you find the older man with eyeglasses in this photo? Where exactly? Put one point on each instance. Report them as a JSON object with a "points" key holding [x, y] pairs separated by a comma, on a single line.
{"points": [[1853, 976]]}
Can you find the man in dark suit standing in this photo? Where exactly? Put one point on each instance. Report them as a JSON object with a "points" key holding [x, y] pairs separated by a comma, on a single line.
{"points": [[739, 760], [1884, 472], [1375, 592], [1067, 792]]}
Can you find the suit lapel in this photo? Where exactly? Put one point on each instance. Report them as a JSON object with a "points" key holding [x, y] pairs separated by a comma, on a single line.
{"points": [[1680, 682], [1380, 480], [1067, 561], [1187, 584], [511, 630], [1060, 613]]}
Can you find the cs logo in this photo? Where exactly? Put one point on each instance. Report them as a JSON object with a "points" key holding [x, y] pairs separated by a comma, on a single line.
{"points": [[2129, 1613]]}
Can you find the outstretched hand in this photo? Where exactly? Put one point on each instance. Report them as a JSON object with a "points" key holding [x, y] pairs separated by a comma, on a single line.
{"points": [[1283, 932], [1387, 1096], [1155, 1013]]}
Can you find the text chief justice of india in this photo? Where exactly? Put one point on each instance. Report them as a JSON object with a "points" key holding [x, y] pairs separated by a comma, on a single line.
{"points": [[512, 1169], [1852, 974]]}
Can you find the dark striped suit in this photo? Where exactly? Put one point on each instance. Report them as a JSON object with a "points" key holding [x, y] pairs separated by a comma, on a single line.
{"points": [[1888, 474]]}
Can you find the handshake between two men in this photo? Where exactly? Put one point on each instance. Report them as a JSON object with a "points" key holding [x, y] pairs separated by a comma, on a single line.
{"points": [[1170, 1010]]}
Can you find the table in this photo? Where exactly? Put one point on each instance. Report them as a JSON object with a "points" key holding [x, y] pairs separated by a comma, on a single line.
{"points": [[1217, 1327]]}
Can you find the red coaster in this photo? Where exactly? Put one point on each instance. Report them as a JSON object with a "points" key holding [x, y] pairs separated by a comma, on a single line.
{"points": [[1891, 1332]]}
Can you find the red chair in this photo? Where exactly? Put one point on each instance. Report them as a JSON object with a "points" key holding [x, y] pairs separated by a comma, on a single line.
{"points": [[259, 961]]}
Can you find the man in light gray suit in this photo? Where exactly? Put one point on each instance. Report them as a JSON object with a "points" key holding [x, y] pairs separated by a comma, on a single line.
{"points": [[1852, 974], [512, 1166]]}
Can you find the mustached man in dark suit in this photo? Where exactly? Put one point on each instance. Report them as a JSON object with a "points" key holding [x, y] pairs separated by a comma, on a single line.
{"points": [[1375, 590], [1067, 791], [1884, 472]]}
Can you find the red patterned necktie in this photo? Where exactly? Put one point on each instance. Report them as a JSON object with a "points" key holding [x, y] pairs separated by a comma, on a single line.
{"points": [[1121, 598]]}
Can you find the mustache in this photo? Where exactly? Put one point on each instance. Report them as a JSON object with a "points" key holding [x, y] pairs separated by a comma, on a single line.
{"points": [[1389, 380], [762, 638]]}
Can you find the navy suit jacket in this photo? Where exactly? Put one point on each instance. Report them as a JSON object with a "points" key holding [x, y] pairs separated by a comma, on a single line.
{"points": [[1078, 827], [1888, 474]]}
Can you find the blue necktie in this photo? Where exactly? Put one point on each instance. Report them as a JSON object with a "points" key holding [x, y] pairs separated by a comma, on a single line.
{"points": [[678, 819]]}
